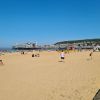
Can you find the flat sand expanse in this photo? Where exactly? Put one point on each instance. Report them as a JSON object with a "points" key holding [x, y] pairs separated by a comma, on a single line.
{"points": [[46, 78]]}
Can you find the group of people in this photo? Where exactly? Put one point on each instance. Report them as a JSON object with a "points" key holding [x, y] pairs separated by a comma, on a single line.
{"points": [[35, 55], [62, 55]]}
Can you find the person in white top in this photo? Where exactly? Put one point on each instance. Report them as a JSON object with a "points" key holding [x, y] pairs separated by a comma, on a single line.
{"points": [[62, 56]]}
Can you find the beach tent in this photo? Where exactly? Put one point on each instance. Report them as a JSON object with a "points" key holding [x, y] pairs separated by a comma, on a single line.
{"points": [[97, 48], [97, 96]]}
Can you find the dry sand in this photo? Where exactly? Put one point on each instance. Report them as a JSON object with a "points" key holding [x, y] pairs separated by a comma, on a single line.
{"points": [[45, 78]]}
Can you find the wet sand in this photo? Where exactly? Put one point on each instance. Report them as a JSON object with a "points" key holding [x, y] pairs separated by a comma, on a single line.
{"points": [[46, 78]]}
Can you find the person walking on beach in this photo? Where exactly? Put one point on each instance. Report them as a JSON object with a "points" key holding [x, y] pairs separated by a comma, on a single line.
{"points": [[91, 55], [62, 56]]}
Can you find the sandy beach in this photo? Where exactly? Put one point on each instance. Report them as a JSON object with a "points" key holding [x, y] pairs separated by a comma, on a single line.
{"points": [[23, 77]]}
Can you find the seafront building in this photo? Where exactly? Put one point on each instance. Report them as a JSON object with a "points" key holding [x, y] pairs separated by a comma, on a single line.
{"points": [[74, 44]]}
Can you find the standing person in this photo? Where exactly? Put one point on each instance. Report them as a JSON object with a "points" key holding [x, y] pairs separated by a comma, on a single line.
{"points": [[1, 63], [62, 56], [91, 55]]}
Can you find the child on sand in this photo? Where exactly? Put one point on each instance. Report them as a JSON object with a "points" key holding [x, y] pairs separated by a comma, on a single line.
{"points": [[62, 56]]}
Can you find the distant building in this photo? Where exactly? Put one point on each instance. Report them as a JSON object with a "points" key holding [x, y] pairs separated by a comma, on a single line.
{"points": [[74, 44]]}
